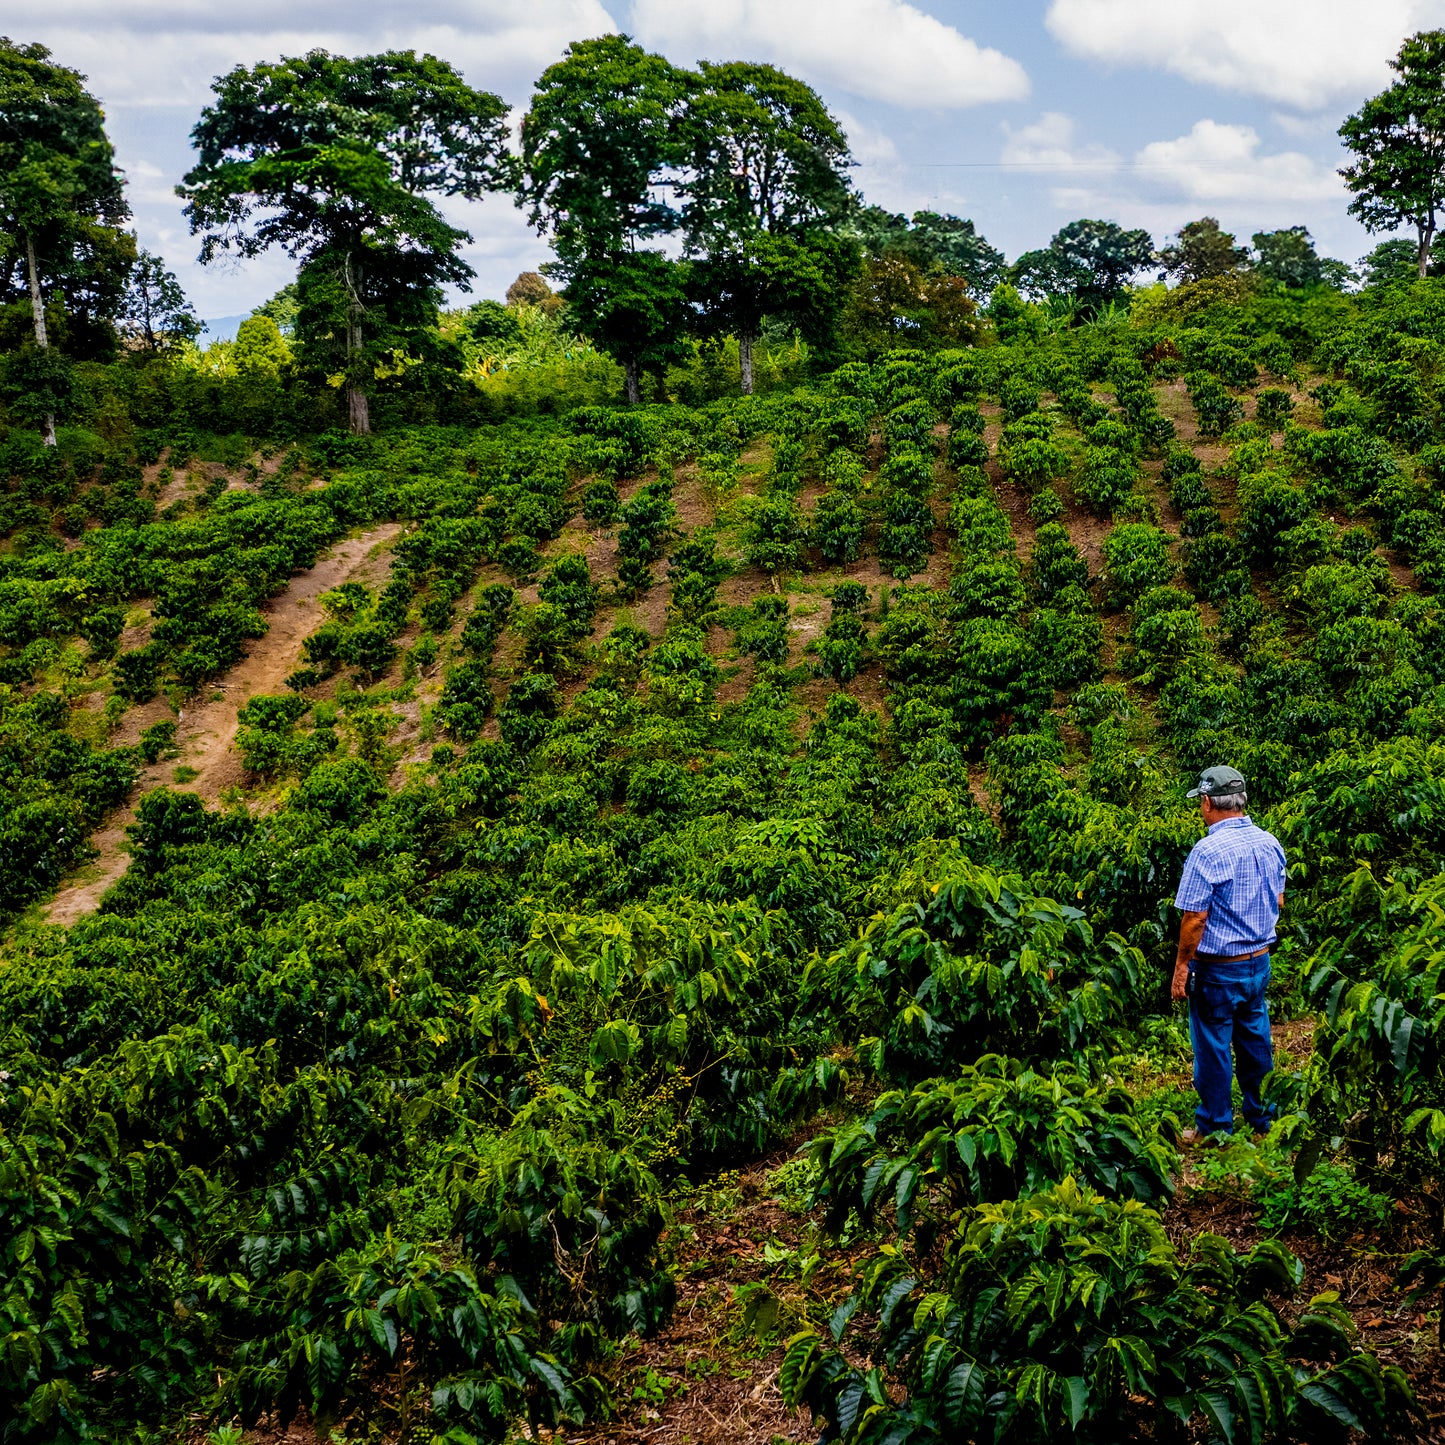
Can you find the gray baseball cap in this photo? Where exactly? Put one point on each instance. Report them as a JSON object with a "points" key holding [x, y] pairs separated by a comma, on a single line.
{"points": [[1217, 780]]}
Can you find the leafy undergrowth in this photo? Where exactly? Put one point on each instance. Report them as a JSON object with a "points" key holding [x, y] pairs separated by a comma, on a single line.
{"points": [[1361, 1270], [692, 771]]}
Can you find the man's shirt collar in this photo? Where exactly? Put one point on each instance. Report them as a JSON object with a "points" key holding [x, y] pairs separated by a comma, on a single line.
{"points": [[1240, 822]]}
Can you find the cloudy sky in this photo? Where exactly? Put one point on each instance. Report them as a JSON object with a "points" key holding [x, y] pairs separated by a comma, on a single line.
{"points": [[1021, 116]]}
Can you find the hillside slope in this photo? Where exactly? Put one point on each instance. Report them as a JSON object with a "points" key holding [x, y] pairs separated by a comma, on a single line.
{"points": [[637, 798]]}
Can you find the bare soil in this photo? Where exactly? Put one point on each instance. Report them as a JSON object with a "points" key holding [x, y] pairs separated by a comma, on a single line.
{"points": [[206, 727]]}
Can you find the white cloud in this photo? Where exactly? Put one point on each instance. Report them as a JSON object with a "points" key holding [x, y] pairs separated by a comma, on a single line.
{"points": [[870, 146], [878, 49], [1304, 53], [1048, 144], [1217, 162], [165, 52]]}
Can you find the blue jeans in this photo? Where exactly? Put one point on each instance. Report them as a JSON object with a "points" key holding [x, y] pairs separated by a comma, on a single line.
{"points": [[1227, 1008]]}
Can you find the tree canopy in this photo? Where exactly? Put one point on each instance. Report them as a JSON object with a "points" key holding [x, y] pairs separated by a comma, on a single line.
{"points": [[1398, 140], [61, 205], [1089, 262], [764, 189], [1203, 250], [933, 242], [330, 159], [1288, 256], [601, 144]]}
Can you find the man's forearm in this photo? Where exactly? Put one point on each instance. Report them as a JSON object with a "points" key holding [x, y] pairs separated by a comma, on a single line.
{"points": [[1191, 931], [1191, 934]]}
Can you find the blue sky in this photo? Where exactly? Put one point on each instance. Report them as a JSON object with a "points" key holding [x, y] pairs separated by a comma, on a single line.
{"points": [[1022, 115]]}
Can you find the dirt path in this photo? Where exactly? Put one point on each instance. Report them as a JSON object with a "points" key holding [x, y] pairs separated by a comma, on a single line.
{"points": [[206, 728]]}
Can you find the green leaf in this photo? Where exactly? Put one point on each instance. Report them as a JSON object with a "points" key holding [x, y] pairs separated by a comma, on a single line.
{"points": [[799, 1362], [1076, 1390], [964, 1395]]}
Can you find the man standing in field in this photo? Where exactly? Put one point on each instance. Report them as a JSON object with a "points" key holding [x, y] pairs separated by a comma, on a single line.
{"points": [[1230, 896]]}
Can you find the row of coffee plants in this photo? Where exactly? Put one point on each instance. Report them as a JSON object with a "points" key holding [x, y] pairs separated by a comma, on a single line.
{"points": [[374, 1103]]}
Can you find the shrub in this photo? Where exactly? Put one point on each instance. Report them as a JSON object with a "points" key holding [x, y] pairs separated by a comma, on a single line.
{"points": [[158, 741], [998, 1131], [1047, 506], [1273, 408], [1055, 562], [1217, 409], [966, 449], [1106, 479], [1166, 633], [905, 536], [1214, 567], [840, 649], [569, 587], [1068, 638], [343, 791], [1150, 1340], [1136, 558], [773, 533], [764, 631], [1268, 509], [838, 527], [601, 505], [527, 713], [1032, 463]]}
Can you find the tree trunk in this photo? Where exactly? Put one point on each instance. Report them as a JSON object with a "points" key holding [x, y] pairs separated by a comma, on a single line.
{"points": [[745, 360], [358, 405], [42, 340], [1427, 234], [358, 410], [634, 390]]}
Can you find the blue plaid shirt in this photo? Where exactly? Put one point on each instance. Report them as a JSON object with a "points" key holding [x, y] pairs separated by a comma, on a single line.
{"points": [[1236, 871]]}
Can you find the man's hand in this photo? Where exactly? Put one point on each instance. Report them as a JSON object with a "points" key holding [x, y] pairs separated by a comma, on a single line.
{"points": [[1179, 989]]}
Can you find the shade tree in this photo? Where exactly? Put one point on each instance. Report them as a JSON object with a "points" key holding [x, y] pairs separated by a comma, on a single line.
{"points": [[1203, 250], [602, 142], [764, 191], [157, 315], [332, 160], [1288, 256], [61, 205], [1397, 138], [934, 243], [1087, 262]]}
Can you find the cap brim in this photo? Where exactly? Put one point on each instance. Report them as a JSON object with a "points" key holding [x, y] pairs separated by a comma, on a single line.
{"points": [[1193, 793]]}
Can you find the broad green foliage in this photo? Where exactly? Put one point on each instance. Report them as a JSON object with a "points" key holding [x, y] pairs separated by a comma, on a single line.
{"points": [[998, 1131], [677, 771], [331, 159], [1067, 1314]]}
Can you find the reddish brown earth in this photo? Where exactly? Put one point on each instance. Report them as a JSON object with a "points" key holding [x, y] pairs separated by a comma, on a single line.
{"points": [[206, 727]]}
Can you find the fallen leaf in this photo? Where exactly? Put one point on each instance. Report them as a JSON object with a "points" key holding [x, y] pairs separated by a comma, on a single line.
{"points": [[1374, 1324]]}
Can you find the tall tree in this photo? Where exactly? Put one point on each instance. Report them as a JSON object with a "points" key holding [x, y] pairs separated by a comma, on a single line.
{"points": [[601, 145], [765, 189], [1288, 256], [332, 160], [157, 313], [950, 245], [61, 197], [1202, 250], [1398, 139], [1090, 262], [1392, 262], [895, 302]]}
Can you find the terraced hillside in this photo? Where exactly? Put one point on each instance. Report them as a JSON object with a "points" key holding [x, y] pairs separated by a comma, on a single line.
{"points": [[654, 922]]}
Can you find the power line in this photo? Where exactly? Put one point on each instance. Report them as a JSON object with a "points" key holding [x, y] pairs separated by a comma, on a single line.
{"points": [[1072, 165]]}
